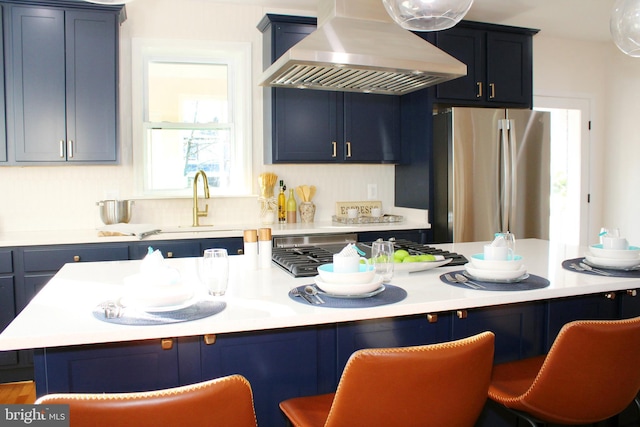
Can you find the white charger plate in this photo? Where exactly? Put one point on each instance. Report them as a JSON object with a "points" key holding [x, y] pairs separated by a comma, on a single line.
{"points": [[412, 267], [612, 263], [141, 306], [358, 296], [497, 275], [341, 289]]}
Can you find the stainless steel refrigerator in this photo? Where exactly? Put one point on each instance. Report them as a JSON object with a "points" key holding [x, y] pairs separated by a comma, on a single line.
{"points": [[492, 173]]}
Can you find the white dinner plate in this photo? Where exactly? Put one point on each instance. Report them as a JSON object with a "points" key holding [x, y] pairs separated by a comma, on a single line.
{"points": [[365, 295], [496, 275], [412, 267], [351, 290], [142, 306], [613, 263]]}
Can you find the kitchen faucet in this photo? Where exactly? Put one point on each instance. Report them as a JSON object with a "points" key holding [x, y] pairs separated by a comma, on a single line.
{"points": [[196, 212]]}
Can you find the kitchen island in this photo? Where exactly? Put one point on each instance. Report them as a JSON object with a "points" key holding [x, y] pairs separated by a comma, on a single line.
{"points": [[283, 346]]}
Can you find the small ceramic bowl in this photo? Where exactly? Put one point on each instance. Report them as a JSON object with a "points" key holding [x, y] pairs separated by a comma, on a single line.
{"points": [[364, 275], [632, 252], [478, 261]]}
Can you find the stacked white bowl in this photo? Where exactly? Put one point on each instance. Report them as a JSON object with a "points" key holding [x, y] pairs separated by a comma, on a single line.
{"points": [[363, 281], [509, 269], [605, 256]]}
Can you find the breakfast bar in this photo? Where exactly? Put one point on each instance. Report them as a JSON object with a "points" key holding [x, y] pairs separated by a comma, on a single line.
{"points": [[282, 344]]}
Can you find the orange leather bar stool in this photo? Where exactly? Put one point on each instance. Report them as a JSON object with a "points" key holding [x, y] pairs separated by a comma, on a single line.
{"points": [[226, 401], [432, 385], [591, 373]]}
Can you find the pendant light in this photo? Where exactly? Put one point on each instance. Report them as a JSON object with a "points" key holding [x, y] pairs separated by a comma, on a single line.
{"points": [[427, 15], [625, 26]]}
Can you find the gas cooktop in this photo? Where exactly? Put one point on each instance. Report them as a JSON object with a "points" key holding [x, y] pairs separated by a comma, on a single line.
{"points": [[303, 260]]}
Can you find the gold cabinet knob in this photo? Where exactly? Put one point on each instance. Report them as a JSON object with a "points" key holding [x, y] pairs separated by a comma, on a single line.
{"points": [[432, 318], [209, 339], [167, 343], [76, 258], [169, 254], [462, 314]]}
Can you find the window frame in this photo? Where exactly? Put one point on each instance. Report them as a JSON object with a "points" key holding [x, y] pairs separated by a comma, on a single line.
{"points": [[237, 56]]}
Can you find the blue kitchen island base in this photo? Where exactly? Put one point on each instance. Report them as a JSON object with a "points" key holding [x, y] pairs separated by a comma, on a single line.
{"points": [[298, 361]]}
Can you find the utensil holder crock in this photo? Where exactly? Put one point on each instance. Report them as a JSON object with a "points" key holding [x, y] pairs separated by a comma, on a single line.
{"points": [[307, 211]]}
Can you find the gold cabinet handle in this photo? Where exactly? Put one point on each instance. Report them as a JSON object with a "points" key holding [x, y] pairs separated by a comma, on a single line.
{"points": [[479, 93], [76, 258], [62, 149], [348, 149], [209, 339], [166, 343], [492, 86], [462, 314], [70, 148], [169, 254], [335, 149], [432, 318], [632, 292]]}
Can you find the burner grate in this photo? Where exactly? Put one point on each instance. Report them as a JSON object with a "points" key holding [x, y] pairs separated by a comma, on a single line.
{"points": [[302, 261]]}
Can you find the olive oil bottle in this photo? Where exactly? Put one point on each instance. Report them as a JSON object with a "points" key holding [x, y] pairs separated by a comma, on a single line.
{"points": [[282, 204]]}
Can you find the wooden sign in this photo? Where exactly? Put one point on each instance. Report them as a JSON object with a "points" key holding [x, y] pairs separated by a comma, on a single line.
{"points": [[364, 208]]}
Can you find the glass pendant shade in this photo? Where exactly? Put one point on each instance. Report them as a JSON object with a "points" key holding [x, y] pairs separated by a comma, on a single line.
{"points": [[427, 15], [625, 26], [112, 2]]}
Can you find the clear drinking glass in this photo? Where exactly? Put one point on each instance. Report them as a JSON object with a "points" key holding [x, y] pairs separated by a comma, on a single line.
{"points": [[382, 259], [510, 240], [214, 271]]}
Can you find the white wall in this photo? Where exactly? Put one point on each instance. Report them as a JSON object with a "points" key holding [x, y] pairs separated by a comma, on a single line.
{"points": [[611, 81], [621, 147], [42, 198], [63, 197]]}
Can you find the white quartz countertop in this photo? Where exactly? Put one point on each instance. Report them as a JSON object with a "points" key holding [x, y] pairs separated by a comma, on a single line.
{"points": [[59, 237], [61, 314]]}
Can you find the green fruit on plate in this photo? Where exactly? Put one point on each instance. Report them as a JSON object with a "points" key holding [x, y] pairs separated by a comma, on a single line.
{"points": [[411, 258], [400, 254], [426, 258]]}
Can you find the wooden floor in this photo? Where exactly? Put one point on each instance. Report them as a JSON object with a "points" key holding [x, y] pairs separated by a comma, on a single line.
{"points": [[18, 393]]}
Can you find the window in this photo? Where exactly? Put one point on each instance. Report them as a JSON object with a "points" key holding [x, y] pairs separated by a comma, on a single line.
{"points": [[193, 105]]}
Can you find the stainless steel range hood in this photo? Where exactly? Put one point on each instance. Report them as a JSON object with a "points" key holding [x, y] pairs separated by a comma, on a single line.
{"points": [[358, 48]]}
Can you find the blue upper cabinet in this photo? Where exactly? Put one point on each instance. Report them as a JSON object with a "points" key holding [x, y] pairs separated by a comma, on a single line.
{"points": [[61, 84], [499, 65], [312, 126], [3, 124]]}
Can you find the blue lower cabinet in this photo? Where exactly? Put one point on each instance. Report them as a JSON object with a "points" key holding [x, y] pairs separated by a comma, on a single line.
{"points": [[584, 307], [7, 313], [233, 245], [389, 332], [169, 249], [118, 367], [278, 364], [519, 328], [630, 303]]}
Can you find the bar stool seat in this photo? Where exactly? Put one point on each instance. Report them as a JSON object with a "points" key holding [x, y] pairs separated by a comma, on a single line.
{"points": [[591, 374], [226, 401], [432, 385]]}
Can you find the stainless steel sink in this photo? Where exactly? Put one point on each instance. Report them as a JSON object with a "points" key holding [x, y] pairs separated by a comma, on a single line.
{"points": [[199, 229]]}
